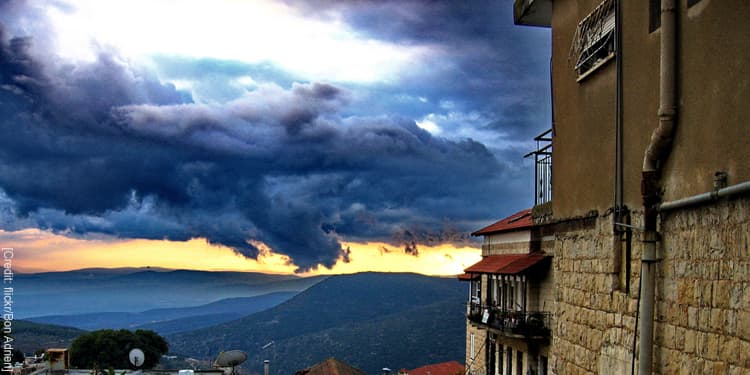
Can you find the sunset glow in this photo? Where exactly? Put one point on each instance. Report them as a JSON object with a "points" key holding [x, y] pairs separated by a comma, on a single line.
{"points": [[37, 251]]}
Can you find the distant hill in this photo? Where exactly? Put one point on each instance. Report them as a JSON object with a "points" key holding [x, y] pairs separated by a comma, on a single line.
{"points": [[171, 320], [371, 320], [29, 336], [134, 290], [413, 338]]}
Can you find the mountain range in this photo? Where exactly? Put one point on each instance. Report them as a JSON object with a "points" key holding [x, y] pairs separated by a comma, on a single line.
{"points": [[171, 320], [371, 320], [136, 290]]}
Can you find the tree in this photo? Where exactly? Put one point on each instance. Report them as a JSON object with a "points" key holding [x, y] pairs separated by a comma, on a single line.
{"points": [[110, 348], [16, 357]]}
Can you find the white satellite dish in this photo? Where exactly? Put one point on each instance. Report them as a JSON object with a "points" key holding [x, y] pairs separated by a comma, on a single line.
{"points": [[230, 358], [137, 357]]}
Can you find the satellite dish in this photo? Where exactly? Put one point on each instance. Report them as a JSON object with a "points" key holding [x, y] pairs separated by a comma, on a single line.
{"points": [[230, 358], [137, 357]]}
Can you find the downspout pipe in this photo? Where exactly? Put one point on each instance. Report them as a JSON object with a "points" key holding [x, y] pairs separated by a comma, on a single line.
{"points": [[653, 160]]}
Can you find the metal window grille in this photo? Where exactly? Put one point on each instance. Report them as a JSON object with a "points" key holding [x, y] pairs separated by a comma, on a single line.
{"points": [[594, 38], [542, 168]]}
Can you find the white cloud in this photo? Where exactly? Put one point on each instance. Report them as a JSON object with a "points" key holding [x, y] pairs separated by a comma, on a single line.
{"points": [[429, 126], [252, 32]]}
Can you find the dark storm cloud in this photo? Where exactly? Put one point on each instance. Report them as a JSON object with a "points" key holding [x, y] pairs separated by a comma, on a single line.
{"points": [[483, 62], [104, 147], [83, 153]]}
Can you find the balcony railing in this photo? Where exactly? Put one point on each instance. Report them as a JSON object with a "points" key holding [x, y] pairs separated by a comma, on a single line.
{"points": [[528, 324], [542, 168]]}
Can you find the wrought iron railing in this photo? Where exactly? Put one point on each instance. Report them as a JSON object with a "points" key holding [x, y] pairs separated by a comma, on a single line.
{"points": [[542, 168], [523, 323]]}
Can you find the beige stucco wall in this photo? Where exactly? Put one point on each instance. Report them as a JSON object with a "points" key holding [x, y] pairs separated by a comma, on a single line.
{"points": [[713, 92]]}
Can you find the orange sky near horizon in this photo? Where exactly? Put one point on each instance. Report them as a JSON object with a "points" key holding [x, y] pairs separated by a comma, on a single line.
{"points": [[38, 251]]}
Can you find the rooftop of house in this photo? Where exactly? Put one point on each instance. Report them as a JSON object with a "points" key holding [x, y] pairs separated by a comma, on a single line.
{"points": [[518, 221], [331, 366], [445, 368], [148, 372], [505, 264]]}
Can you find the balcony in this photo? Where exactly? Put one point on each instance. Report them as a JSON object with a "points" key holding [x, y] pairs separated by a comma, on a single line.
{"points": [[542, 168], [511, 323]]}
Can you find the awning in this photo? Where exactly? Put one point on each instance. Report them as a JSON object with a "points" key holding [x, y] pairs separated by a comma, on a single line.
{"points": [[507, 264]]}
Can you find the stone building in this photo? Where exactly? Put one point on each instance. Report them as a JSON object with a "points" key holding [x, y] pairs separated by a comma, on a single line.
{"points": [[508, 328], [649, 211]]}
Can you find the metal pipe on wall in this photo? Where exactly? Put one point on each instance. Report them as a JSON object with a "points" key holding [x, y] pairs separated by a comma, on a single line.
{"points": [[654, 157], [740, 188]]}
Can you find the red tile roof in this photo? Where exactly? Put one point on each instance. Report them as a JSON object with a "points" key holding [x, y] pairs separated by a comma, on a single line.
{"points": [[331, 366], [507, 264], [467, 277], [517, 221], [445, 368], [493, 263], [524, 263]]}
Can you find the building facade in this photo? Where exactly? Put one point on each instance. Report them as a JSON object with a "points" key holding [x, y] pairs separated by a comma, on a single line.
{"points": [[650, 211], [509, 309]]}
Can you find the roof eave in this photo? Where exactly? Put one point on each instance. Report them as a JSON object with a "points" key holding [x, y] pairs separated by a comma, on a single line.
{"points": [[532, 13], [516, 229]]}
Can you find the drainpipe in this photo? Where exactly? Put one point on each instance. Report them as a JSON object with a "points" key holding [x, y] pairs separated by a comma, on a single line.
{"points": [[655, 155], [617, 196]]}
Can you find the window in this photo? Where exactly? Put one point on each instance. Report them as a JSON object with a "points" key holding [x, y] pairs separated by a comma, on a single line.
{"points": [[594, 40], [509, 361], [499, 363], [654, 15], [476, 291], [495, 290], [542, 365], [519, 362]]}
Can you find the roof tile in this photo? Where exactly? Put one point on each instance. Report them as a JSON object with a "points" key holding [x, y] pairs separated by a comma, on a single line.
{"points": [[517, 221], [507, 264], [445, 368]]}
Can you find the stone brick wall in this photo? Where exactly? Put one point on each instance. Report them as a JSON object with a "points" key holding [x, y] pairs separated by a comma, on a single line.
{"points": [[478, 363], [703, 295], [594, 322], [703, 290], [505, 248]]}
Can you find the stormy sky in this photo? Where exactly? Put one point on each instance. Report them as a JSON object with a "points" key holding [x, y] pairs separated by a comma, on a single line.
{"points": [[299, 125]]}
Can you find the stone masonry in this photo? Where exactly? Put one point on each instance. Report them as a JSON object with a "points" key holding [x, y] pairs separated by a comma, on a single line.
{"points": [[703, 295]]}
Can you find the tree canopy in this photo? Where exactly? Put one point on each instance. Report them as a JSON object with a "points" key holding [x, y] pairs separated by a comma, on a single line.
{"points": [[110, 348], [15, 357]]}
